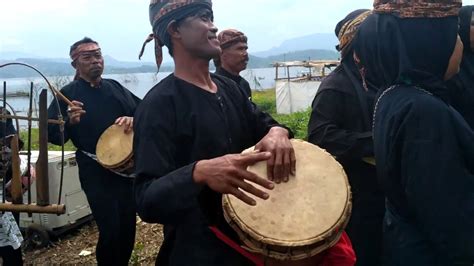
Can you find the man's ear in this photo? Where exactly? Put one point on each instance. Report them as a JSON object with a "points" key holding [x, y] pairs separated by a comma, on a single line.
{"points": [[173, 30], [73, 64]]}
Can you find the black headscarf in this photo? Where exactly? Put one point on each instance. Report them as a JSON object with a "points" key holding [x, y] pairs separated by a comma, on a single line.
{"points": [[410, 51], [351, 69], [340, 25]]}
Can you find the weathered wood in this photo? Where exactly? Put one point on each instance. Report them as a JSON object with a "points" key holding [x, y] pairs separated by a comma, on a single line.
{"points": [[42, 179], [16, 188], [50, 121], [33, 208]]}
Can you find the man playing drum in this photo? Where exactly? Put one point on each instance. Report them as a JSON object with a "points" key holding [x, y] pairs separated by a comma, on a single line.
{"points": [[188, 130], [99, 103]]}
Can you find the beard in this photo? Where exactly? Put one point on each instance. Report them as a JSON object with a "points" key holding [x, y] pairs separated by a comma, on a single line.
{"points": [[96, 72]]}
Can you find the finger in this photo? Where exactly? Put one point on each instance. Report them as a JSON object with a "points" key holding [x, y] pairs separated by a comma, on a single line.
{"points": [[77, 103], [243, 197], [250, 189], [246, 175], [270, 166], [128, 126], [254, 157], [293, 161], [120, 121], [286, 166], [278, 167]]}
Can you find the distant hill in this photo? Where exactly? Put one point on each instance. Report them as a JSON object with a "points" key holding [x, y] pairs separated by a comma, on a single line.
{"points": [[62, 66], [320, 41]]}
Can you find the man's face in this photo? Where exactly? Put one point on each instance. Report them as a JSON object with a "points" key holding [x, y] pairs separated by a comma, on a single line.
{"points": [[198, 35], [235, 58], [90, 62]]}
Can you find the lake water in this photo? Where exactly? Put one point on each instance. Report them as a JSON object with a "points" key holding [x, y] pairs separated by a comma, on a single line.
{"points": [[137, 83]]}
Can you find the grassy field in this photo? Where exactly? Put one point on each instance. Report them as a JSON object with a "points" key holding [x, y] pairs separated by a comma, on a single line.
{"points": [[265, 100], [35, 141], [298, 122]]}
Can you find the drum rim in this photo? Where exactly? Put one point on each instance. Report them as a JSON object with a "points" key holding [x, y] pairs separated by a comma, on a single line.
{"points": [[101, 139], [242, 226]]}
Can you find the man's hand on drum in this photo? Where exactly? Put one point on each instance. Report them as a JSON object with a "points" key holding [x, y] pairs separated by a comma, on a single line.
{"points": [[228, 175], [126, 122], [282, 163], [75, 112]]}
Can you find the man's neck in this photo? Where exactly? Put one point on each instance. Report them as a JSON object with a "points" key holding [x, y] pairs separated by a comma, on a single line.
{"points": [[94, 82], [230, 70], [194, 71]]}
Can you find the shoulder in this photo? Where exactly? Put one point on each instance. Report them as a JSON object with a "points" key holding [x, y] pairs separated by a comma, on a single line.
{"points": [[226, 84], [162, 91], [414, 105], [338, 80], [113, 83]]}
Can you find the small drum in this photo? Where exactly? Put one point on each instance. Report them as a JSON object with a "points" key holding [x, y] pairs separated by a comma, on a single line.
{"points": [[302, 217], [114, 150]]}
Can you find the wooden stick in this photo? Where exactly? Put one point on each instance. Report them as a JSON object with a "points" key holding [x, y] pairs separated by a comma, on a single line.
{"points": [[50, 121], [33, 208], [61, 96], [42, 179], [16, 187]]}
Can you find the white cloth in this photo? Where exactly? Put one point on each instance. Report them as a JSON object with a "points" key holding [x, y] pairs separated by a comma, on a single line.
{"points": [[10, 234]]}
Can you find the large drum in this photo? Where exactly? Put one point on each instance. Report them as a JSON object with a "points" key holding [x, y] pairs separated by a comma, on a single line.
{"points": [[114, 150], [302, 217]]}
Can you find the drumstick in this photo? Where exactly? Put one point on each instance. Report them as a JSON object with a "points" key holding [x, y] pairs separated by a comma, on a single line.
{"points": [[61, 96]]}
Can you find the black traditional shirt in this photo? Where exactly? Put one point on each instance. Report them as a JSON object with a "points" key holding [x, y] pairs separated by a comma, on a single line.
{"points": [[177, 125], [243, 84]]}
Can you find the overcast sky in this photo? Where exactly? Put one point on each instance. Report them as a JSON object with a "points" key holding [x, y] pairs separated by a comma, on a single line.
{"points": [[47, 28]]}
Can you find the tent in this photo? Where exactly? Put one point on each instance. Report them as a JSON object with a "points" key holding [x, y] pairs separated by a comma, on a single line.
{"points": [[295, 92]]}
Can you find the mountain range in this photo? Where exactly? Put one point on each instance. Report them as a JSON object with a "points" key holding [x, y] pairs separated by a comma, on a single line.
{"points": [[315, 46]]}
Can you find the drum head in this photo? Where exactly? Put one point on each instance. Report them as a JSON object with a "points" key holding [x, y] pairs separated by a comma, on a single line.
{"points": [[305, 210], [114, 146]]}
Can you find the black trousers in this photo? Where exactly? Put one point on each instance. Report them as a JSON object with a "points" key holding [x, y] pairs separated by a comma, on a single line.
{"points": [[9, 255], [113, 206]]}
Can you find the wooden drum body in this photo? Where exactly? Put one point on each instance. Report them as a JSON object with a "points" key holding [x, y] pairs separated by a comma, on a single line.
{"points": [[114, 149], [302, 217]]}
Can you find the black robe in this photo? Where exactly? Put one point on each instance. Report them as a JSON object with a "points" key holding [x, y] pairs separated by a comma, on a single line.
{"points": [[177, 125], [428, 176], [243, 84], [423, 147], [341, 123]]}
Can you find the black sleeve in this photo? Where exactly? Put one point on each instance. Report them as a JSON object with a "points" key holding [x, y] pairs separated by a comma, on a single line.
{"points": [[163, 193], [325, 131], [54, 133]]}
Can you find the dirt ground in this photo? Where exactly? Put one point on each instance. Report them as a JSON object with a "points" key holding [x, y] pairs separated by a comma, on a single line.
{"points": [[68, 247]]}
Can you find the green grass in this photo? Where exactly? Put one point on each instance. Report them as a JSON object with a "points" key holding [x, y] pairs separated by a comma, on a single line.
{"points": [[35, 141], [297, 122]]}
